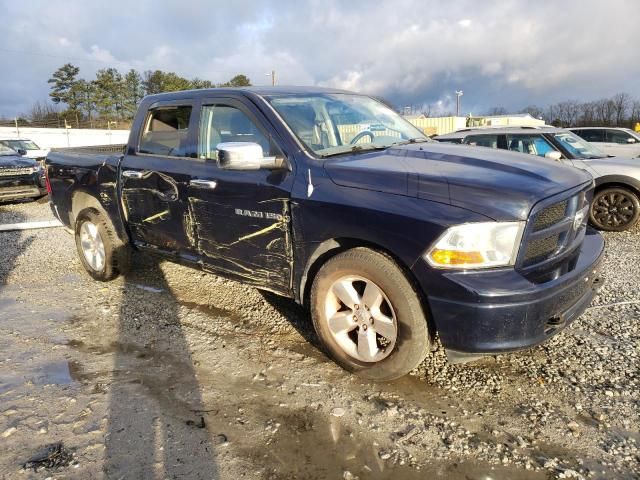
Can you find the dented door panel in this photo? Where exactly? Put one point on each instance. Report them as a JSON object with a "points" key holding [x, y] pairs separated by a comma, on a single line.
{"points": [[241, 229], [154, 207]]}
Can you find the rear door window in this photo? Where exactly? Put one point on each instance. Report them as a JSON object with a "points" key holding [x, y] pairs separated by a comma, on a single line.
{"points": [[490, 141], [591, 135], [166, 131]]}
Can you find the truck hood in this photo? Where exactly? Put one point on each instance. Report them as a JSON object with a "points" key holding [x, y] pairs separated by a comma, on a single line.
{"points": [[498, 184], [16, 161]]}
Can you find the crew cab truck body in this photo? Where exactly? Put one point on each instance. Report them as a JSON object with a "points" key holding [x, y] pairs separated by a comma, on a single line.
{"points": [[332, 199]]}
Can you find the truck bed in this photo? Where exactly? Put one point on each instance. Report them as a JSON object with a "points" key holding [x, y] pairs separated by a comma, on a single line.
{"points": [[97, 149]]}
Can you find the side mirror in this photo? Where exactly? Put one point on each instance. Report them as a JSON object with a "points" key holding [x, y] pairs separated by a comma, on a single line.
{"points": [[246, 156], [631, 140], [553, 155], [22, 152]]}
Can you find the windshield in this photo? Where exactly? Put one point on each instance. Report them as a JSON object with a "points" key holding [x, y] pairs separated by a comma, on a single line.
{"points": [[633, 133], [577, 147], [4, 150], [22, 144], [331, 124]]}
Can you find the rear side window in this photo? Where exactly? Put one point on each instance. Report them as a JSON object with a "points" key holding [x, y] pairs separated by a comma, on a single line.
{"points": [[490, 141], [166, 131], [595, 135], [530, 144], [618, 136]]}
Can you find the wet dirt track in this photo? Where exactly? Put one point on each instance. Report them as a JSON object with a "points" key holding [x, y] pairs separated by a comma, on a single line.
{"points": [[172, 373]]}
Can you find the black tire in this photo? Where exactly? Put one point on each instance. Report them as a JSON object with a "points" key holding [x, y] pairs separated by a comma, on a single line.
{"points": [[117, 258], [412, 343], [614, 209]]}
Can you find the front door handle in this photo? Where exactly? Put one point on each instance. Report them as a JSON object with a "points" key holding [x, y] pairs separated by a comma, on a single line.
{"points": [[132, 174], [204, 183]]}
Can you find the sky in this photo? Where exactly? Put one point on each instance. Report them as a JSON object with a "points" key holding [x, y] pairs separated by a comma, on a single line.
{"points": [[509, 53]]}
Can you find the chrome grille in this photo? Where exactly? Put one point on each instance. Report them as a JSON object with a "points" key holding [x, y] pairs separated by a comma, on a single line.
{"points": [[13, 172]]}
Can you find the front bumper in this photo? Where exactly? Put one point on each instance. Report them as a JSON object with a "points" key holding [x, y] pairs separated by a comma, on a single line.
{"points": [[16, 188], [493, 311]]}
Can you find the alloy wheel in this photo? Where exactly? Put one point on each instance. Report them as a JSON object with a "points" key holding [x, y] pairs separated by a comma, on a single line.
{"points": [[613, 209], [361, 319], [92, 246]]}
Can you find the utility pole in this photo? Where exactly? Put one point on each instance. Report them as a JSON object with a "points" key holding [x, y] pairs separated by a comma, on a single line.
{"points": [[459, 93], [273, 77], [15, 119]]}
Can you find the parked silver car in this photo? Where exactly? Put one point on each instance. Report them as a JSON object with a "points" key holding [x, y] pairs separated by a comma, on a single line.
{"points": [[616, 202], [622, 142]]}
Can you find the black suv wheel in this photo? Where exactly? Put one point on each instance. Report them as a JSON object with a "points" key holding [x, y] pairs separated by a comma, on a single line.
{"points": [[614, 209]]}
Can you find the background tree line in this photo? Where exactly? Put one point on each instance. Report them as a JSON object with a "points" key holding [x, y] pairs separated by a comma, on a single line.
{"points": [[110, 100], [620, 110]]}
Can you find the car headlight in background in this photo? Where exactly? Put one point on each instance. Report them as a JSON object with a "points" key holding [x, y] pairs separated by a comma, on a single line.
{"points": [[477, 245]]}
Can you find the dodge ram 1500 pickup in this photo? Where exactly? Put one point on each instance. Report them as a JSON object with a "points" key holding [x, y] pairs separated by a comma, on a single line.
{"points": [[334, 200]]}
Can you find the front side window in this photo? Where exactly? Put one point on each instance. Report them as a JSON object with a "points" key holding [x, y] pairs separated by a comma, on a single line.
{"points": [[530, 144], [591, 135], [620, 137], [223, 123], [166, 131], [5, 151], [331, 124], [22, 144], [576, 146], [490, 141]]}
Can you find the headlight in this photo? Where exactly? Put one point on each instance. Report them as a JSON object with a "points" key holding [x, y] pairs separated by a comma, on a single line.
{"points": [[477, 245]]}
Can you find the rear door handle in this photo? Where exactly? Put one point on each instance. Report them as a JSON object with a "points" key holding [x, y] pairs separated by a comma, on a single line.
{"points": [[204, 183], [132, 174]]}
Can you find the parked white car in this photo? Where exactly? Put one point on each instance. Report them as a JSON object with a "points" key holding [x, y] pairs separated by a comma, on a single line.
{"points": [[29, 147], [620, 142]]}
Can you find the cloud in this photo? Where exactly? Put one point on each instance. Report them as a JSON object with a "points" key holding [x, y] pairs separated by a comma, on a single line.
{"points": [[509, 53]]}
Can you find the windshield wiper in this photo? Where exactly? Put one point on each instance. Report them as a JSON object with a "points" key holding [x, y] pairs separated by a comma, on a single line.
{"points": [[362, 148], [355, 149], [411, 140]]}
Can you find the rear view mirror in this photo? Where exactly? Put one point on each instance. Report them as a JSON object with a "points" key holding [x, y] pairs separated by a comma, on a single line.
{"points": [[553, 155], [21, 151], [246, 156]]}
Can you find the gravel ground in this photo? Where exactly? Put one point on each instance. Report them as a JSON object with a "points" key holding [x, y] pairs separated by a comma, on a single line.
{"points": [[171, 373]]}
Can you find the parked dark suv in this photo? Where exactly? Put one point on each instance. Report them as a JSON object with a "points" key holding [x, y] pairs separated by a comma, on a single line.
{"points": [[20, 177], [616, 203]]}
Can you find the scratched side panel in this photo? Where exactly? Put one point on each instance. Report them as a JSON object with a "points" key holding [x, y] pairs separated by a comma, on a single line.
{"points": [[243, 236], [154, 210]]}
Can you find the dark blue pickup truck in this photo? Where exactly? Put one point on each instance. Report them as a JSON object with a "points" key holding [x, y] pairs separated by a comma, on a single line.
{"points": [[334, 200]]}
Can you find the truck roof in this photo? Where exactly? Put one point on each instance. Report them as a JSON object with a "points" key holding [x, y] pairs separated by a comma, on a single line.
{"points": [[248, 91]]}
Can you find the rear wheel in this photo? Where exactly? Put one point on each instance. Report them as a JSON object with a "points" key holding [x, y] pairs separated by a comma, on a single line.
{"points": [[614, 209], [103, 255], [368, 315]]}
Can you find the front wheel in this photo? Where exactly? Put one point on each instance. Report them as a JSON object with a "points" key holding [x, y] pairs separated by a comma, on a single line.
{"points": [[368, 315], [614, 209]]}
